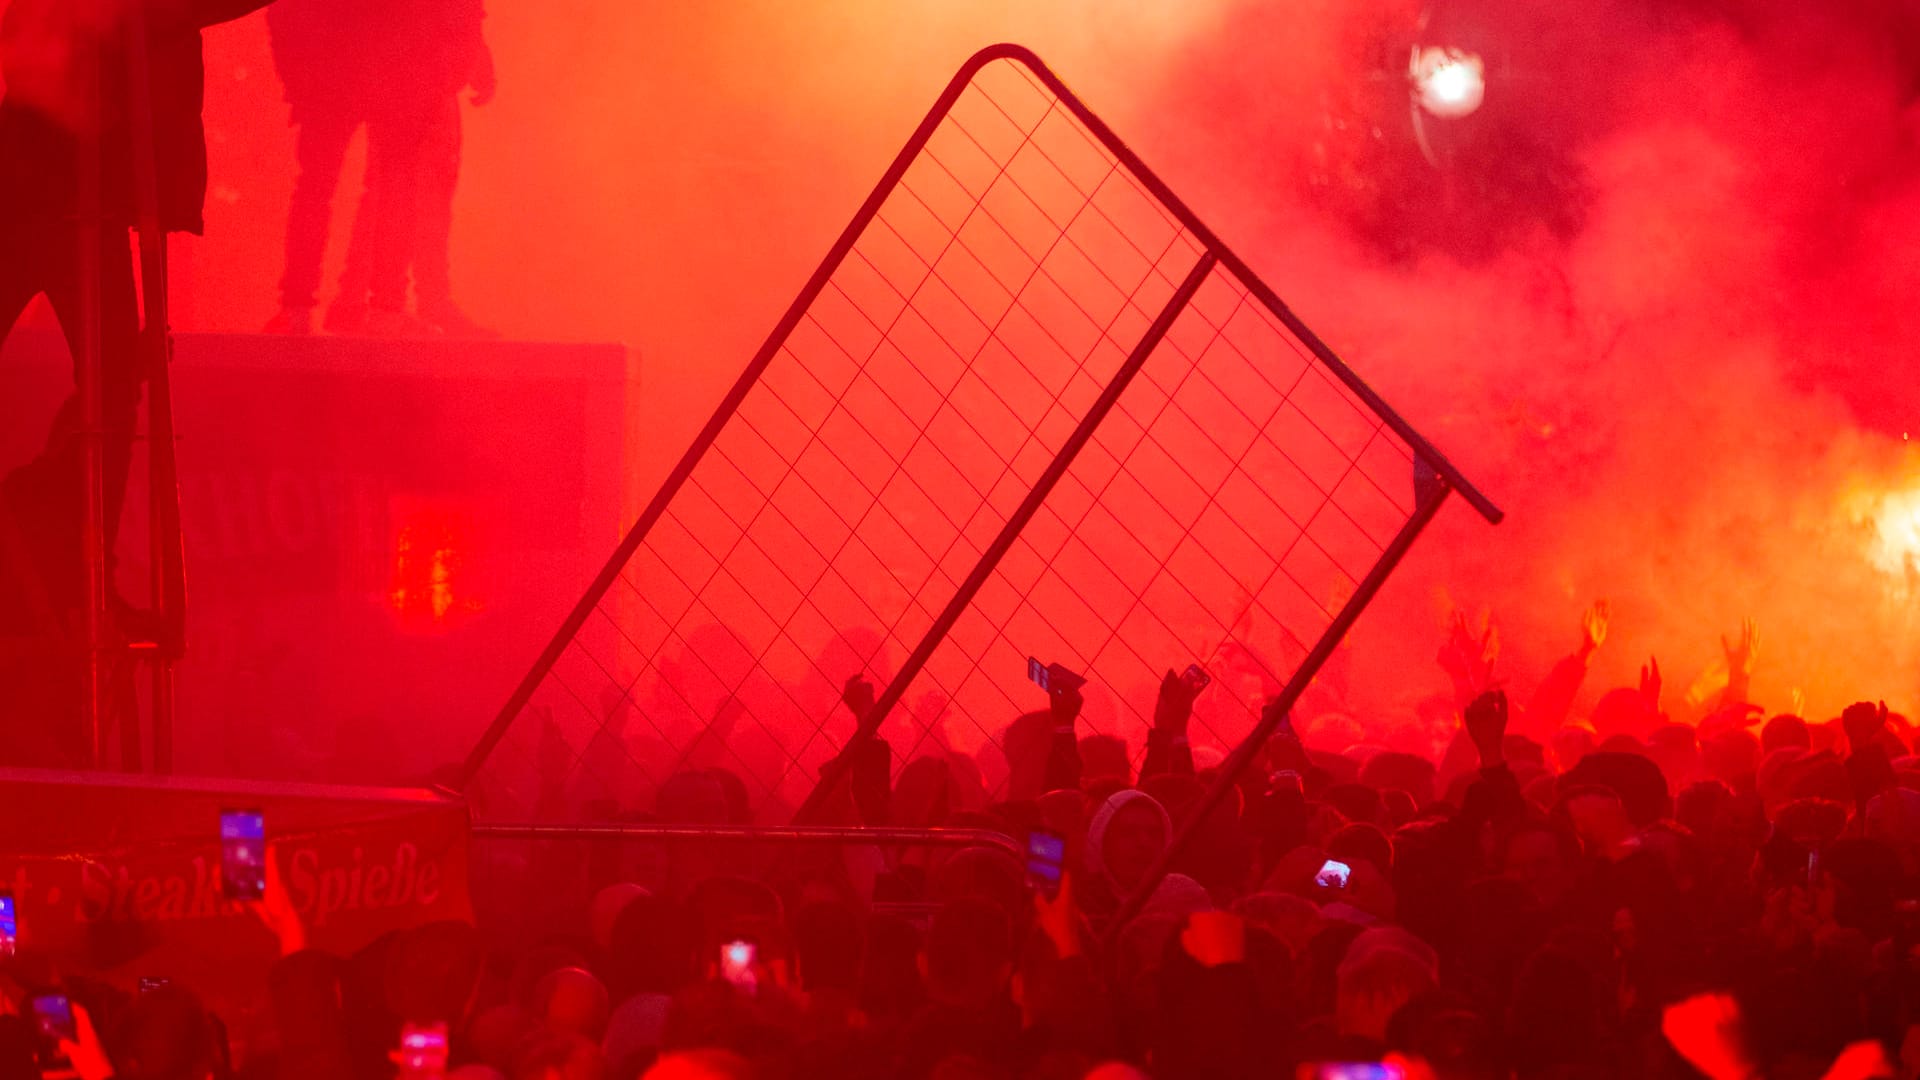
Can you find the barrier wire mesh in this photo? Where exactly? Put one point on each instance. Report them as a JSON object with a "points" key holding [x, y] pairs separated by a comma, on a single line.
{"points": [[994, 285]]}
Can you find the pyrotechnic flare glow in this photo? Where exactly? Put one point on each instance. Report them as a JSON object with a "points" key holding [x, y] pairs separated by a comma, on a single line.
{"points": [[1896, 524], [1447, 81]]}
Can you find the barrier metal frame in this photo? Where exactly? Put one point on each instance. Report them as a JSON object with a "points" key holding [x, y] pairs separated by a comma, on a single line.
{"points": [[792, 834], [1434, 478]]}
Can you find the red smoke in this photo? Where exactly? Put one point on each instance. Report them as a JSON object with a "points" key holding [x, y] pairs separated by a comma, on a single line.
{"points": [[1661, 314], [1683, 365]]}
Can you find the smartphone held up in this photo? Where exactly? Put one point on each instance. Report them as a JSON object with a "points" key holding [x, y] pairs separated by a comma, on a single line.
{"points": [[423, 1051], [1053, 678], [243, 854], [53, 1018], [1332, 874], [739, 965], [1046, 857], [1351, 1070]]}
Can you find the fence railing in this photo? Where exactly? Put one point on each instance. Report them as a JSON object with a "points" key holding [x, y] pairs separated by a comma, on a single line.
{"points": [[860, 836], [1028, 405], [534, 874]]}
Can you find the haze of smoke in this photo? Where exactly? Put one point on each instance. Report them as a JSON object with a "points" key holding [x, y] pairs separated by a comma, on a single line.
{"points": [[1668, 400]]}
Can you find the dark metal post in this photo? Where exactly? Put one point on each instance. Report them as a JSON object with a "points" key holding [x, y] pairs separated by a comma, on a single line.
{"points": [[91, 236], [163, 486], [957, 604], [1270, 717]]}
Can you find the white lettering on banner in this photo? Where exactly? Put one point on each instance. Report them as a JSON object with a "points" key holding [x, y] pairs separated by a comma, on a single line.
{"points": [[319, 888], [320, 893]]}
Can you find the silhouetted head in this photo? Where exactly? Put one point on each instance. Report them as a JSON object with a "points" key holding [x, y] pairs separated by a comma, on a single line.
{"points": [[1700, 804], [1570, 743], [1561, 1013], [496, 1033], [305, 991], [651, 949], [434, 972], [558, 1055], [607, 905], [1126, 835], [1362, 841], [696, 797], [831, 945], [983, 873], [968, 953], [1676, 750], [1393, 770], [890, 980], [1542, 857], [1785, 730], [1636, 779], [700, 1065], [166, 1035], [1373, 986], [1731, 757], [1356, 802], [574, 1001], [1624, 711]]}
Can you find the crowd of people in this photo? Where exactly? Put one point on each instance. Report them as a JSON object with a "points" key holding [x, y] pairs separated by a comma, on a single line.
{"points": [[1544, 896], [1614, 895]]}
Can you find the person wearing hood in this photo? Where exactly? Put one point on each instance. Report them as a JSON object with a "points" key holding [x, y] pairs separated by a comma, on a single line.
{"points": [[1125, 837]]}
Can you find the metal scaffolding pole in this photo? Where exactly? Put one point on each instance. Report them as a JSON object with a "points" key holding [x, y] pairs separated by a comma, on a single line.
{"points": [[163, 487], [91, 237]]}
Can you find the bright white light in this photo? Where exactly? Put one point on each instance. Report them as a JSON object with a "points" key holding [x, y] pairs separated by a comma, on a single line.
{"points": [[1896, 526], [1448, 81]]}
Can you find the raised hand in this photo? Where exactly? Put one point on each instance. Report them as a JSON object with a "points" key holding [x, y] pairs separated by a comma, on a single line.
{"points": [[1467, 661], [1740, 655], [275, 908], [1593, 627], [1058, 919], [84, 1052], [1487, 726], [1706, 1029], [1214, 938], [1064, 702], [857, 694], [1863, 721], [1650, 683], [1864, 1060], [1175, 705], [1282, 720]]}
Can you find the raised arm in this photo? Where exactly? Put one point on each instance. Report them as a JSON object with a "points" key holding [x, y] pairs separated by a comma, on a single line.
{"points": [[1168, 752], [1740, 656], [1552, 699], [1868, 766], [1063, 753]]}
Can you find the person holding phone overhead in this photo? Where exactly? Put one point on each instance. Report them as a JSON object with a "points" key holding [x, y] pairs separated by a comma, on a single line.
{"points": [[1168, 751]]}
